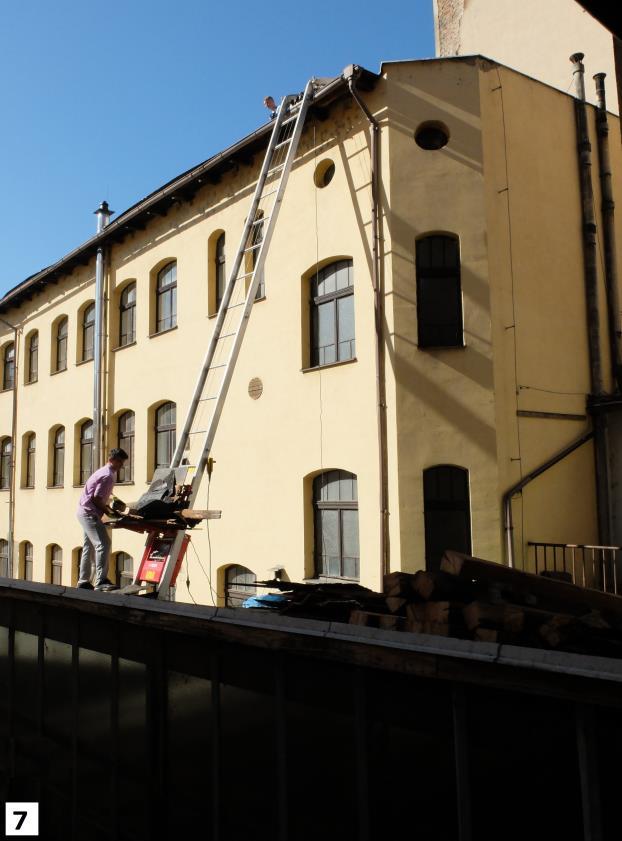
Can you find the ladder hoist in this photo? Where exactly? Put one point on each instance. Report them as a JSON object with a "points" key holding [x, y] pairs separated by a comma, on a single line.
{"points": [[165, 548]]}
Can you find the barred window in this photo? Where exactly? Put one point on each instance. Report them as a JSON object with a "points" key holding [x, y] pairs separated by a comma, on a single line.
{"points": [[239, 585], [332, 314], [58, 458], [88, 333], [31, 449], [126, 442], [166, 298], [439, 293], [127, 315], [335, 503], [447, 512], [165, 418]]}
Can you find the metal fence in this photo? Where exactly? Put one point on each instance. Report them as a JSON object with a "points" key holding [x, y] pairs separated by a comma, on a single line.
{"points": [[597, 567], [131, 719]]}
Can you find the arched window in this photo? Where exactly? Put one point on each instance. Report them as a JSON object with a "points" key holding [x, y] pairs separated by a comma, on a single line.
{"points": [[221, 272], [447, 512], [88, 333], [62, 329], [239, 585], [332, 314], [56, 564], [8, 380], [439, 293], [126, 442], [4, 559], [27, 561], [31, 449], [33, 357], [125, 569], [6, 450], [127, 315], [335, 503], [58, 457], [86, 451], [165, 418], [166, 298]]}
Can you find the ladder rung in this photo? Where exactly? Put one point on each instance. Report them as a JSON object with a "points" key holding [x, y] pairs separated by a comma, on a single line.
{"points": [[260, 221], [283, 143], [213, 367], [233, 306], [205, 399], [271, 193], [252, 247], [275, 169], [289, 120], [197, 432], [226, 335]]}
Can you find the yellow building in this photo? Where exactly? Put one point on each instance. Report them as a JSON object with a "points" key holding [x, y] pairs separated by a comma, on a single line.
{"points": [[484, 365]]}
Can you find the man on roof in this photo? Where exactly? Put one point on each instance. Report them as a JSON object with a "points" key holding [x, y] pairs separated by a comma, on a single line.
{"points": [[91, 508]]}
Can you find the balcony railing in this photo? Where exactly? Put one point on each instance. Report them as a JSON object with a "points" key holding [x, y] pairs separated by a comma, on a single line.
{"points": [[597, 567]]}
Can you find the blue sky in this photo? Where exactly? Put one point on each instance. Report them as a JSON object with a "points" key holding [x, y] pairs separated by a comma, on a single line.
{"points": [[111, 100]]}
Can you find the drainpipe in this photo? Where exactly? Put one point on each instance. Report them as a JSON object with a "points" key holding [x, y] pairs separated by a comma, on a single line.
{"points": [[103, 214], [590, 270], [508, 523], [351, 74], [608, 217], [11, 534]]}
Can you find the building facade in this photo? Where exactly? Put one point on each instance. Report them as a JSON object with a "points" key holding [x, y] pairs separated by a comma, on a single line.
{"points": [[483, 344]]}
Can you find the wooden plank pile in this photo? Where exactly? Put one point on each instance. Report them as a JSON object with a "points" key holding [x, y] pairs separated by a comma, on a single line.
{"points": [[474, 599]]}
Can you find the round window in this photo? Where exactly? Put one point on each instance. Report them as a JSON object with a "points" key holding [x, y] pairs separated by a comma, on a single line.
{"points": [[324, 173], [432, 136]]}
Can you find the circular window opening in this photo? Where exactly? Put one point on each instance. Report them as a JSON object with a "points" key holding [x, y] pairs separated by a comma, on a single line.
{"points": [[324, 173], [432, 136]]}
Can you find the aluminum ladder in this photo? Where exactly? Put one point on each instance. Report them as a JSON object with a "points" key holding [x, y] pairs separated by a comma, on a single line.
{"points": [[199, 429]]}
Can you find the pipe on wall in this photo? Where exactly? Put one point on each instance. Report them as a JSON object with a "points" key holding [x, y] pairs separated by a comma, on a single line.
{"points": [[508, 523], [103, 213], [609, 242], [351, 74], [590, 271]]}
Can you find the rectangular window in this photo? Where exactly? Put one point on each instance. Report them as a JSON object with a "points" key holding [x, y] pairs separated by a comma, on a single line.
{"points": [[439, 295]]}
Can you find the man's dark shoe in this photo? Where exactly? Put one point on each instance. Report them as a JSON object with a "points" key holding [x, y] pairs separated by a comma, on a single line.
{"points": [[106, 584], [85, 585]]}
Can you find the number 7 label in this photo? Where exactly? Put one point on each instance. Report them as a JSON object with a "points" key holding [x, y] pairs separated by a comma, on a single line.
{"points": [[21, 819]]}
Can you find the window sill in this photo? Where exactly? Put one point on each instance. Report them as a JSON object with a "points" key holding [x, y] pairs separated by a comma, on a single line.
{"points": [[4, 490], [32, 382], [125, 484], [4, 390], [162, 332], [329, 365], [26, 487], [442, 347], [122, 347], [84, 362], [78, 486], [322, 579], [54, 487], [59, 371]]}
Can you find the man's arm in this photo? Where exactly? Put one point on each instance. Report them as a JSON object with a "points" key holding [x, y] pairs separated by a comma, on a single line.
{"points": [[101, 505]]}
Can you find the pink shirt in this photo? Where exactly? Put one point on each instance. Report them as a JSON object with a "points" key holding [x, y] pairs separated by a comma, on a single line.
{"points": [[98, 484]]}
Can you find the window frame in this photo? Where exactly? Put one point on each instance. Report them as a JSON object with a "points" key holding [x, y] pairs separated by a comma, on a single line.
{"points": [[88, 333], [33, 354], [127, 338], [167, 431], [5, 571], [56, 563], [220, 269], [432, 333], [126, 442], [236, 595], [86, 451], [28, 561], [62, 342], [58, 458], [316, 301], [31, 453], [6, 458], [166, 291], [8, 371], [446, 506], [124, 576], [340, 506]]}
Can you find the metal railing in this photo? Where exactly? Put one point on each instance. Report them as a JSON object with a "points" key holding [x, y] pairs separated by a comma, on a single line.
{"points": [[596, 567]]}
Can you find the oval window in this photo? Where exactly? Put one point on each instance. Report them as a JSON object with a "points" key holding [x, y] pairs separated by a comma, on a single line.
{"points": [[324, 173], [432, 136]]}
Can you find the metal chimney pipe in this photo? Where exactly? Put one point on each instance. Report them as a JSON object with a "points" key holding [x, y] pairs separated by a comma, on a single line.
{"points": [[103, 214], [608, 217], [590, 272]]}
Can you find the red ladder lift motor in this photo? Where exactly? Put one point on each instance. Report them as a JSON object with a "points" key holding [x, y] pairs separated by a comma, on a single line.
{"points": [[157, 550]]}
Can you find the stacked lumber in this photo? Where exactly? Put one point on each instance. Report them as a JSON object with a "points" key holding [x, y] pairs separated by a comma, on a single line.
{"points": [[475, 599]]}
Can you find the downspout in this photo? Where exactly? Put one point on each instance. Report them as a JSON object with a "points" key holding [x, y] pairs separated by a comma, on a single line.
{"points": [[103, 213], [11, 534], [508, 522], [590, 270], [351, 74], [608, 217]]}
